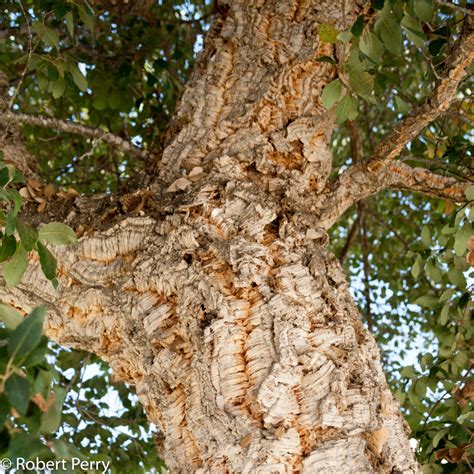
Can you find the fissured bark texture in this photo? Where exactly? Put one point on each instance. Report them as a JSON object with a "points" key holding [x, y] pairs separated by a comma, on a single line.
{"points": [[227, 313]]}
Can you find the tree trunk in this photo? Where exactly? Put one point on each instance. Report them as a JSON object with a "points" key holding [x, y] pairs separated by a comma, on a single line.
{"points": [[223, 307]]}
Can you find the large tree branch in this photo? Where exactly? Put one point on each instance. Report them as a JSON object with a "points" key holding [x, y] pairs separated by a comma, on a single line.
{"points": [[356, 184], [432, 107], [75, 128], [379, 172], [420, 180]]}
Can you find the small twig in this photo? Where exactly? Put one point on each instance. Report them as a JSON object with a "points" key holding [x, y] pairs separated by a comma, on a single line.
{"points": [[365, 263], [30, 52], [350, 239], [456, 6], [75, 128]]}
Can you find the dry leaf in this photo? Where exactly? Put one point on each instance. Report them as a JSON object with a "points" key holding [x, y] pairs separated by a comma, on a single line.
{"points": [[470, 243], [41, 207], [245, 441], [35, 184], [196, 173], [80, 230], [464, 394], [179, 185], [25, 194], [448, 206], [49, 191], [453, 455], [40, 402], [72, 193]]}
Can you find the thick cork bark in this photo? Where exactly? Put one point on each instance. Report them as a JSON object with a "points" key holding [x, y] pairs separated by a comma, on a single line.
{"points": [[227, 313]]}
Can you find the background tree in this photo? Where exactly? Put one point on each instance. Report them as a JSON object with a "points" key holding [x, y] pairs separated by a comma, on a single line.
{"points": [[88, 92]]}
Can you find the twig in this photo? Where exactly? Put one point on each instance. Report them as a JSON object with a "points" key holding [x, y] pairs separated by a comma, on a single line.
{"points": [[350, 239], [365, 263], [75, 128], [456, 6], [30, 52]]}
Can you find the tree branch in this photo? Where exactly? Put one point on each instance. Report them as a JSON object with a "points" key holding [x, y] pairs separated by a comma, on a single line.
{"points": [[465, 9], [379, 172], [356, 184], [75, 128], [434, 105], [420, 180]]}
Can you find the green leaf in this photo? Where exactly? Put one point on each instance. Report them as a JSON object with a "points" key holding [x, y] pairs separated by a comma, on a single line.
{"points": [[28, 235], [69, 17], [470, 192], [446, 295], [443, 317], [326, 59], [8, 247], [427, 301], [51, 419], [15, 196], [353, 63], [17, 390], [436, 46], [346, 109], [440, 434], [434, 272], [468, 416], [10, 317], [14, 268], [358, 26], [57, 233], [361, 83], [457, 278], [27, 446], [37, 356], [57, 88], [345, 36], [426, 236], [417, 267], [4, 176], [413, 30], [460, 240], [114, 98], [328, 33], [10, 223], [43, 381], [423, 9], [47, 261], [371, 46], [331, 93], [43, 82], [420, 387], [408, 372], [27, 335], [87, 19], [389, 30], [401, 105], [79, 78], [49, 36]]}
